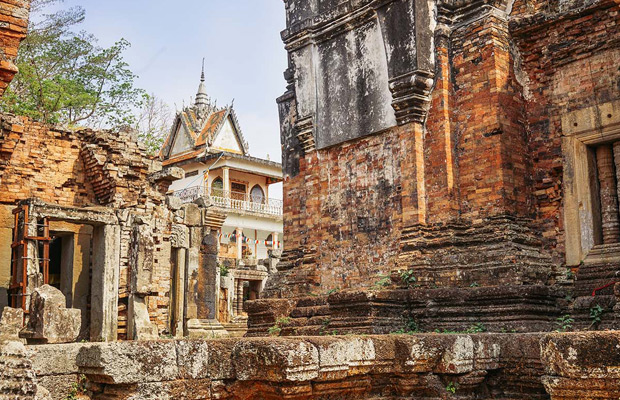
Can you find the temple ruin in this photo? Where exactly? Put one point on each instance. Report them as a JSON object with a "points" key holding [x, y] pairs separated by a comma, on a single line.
{"points": [[451, 222]]}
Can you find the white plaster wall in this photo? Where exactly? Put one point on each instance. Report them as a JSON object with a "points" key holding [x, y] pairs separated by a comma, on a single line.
{"points": [[253, 222], [260, 250], [192, 180]]}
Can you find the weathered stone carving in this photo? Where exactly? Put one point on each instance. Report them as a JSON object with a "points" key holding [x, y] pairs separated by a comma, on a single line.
{"points": [[374, 57], [50, 321], [179, 237], [142, 259]]}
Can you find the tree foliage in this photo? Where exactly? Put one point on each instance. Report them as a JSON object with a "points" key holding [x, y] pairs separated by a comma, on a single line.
{"points": [[66, 77], [153, 123]]}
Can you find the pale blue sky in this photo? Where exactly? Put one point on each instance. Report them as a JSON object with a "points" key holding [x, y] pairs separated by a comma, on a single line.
{"points": [[240, 39]]}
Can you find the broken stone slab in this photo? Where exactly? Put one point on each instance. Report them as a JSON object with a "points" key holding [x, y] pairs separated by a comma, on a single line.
{"points": [[174, 203], [193, 215], [140, 325], [167, 175], [50, 321], [11, 323]]}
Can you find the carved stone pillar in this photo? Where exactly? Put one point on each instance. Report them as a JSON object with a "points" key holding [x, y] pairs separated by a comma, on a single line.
{"points": [[239, 297], [235, 300], [616, 149], [608, 192]]}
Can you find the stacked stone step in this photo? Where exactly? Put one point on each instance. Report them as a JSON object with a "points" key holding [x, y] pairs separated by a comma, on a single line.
{"points": [[493, 309], [496, 251]]}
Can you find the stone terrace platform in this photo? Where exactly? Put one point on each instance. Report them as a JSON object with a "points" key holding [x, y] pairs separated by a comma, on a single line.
{"points": [[583, 365]]}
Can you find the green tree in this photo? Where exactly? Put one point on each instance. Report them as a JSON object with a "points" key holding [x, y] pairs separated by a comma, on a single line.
{"points": [[65, 77]]}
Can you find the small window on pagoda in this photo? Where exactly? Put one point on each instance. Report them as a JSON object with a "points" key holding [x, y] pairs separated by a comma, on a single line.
{"points": [[238, 191], [217, 187], [257, 195]]}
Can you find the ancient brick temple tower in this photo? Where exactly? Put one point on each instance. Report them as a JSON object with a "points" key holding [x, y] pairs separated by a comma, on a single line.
{"points": [[466, 150]]}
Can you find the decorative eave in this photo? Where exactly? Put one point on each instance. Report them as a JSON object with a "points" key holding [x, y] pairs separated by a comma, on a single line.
{"points": [[242, 142]]}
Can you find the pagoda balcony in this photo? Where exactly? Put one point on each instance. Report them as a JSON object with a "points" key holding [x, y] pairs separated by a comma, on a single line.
{"points": [[231, 200]]}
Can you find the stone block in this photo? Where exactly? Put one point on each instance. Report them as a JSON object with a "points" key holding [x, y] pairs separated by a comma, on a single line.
{"points": [[55, 359], [11, 322], [142, 256], [167, 175], [129, 362], [343, 357], [266, 360], [205, 329], [140, 325], [582, 365], [50, 321], [174, 203], [193, 215], [179, 236], [193, 359]]}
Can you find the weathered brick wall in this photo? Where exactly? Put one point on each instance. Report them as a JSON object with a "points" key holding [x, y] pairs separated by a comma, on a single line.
{"points": [[345, 208], [490, 139], [13, 26], [90, 168], [40, 161]]}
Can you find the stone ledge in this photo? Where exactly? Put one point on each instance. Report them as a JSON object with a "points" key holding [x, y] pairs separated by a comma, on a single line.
{"points": [[517, 366]]}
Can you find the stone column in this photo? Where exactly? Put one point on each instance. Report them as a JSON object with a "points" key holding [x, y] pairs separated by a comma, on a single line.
{"points": [[226, 179], [207, 277], [616, 147], [608, 193], [274, 240], [239, 238], [235, 300], [239, 296], [104, 283]]}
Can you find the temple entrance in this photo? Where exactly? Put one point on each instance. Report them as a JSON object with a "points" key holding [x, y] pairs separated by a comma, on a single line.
{"points": [[70, 266], [74, 251]]}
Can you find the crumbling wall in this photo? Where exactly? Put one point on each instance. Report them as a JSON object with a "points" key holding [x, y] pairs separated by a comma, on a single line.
{"points": [[14, 24], [85, 168], [37, 160]]}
